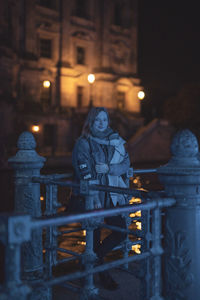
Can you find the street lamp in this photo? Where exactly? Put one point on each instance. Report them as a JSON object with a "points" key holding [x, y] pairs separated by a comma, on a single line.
{"points": [[91, 80], [141, 95], [46, 84], [35, 128]]}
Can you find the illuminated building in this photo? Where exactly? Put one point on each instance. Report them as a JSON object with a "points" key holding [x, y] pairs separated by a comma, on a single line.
{"points": [[48, 49]]}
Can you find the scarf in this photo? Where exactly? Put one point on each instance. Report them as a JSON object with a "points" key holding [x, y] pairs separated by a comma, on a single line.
{"points": [[101, 134], [108, 137]]}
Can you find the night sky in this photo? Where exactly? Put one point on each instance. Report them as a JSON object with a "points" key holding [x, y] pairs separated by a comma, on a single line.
{"points": [[169, 50]]}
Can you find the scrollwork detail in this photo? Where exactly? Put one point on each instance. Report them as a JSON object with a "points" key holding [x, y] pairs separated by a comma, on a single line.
{"points": [[177, 264]]}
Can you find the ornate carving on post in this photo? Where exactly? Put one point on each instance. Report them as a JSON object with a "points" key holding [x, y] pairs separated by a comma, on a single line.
{"points": [[27, 163], [179, 259], [14, 230], [181, 179]]}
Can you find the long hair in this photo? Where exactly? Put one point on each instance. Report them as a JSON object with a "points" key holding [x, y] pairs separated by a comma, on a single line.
{"points": [[90, 119]]}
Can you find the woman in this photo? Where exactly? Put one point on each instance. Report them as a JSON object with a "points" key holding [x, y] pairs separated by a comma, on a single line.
{"points": [[99, 156]]}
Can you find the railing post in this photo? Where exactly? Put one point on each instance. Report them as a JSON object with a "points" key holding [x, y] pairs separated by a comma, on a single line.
{"points": [[27, 163], [51, 244], [89, 290], [181, 179], [157, 251], [14, 230]]}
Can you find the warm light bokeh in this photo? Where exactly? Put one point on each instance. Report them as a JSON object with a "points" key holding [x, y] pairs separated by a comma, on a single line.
{"points": [[136, 248], [46, 84], [141, 95], [91, 78], [35, 128]]}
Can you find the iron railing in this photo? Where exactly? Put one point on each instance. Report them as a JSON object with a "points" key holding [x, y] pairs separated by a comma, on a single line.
{"points": [[19, 230]]}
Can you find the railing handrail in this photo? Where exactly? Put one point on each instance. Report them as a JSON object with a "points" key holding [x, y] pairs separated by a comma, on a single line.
{"points": [[102, 213]]}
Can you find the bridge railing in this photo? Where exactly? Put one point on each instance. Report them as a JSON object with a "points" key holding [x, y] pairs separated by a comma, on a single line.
{"points": [[19, 228], [180, 200]]}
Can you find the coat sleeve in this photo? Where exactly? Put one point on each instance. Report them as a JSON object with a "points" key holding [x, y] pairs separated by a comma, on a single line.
{"points": [[120, 168], [82, 160]]}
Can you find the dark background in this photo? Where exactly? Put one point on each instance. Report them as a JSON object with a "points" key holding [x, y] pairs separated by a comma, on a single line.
{"points": [[169, 49]]}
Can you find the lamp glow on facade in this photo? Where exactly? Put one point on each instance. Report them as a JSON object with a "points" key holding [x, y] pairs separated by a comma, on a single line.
{"points": [[141, 95], [46, 84], [91, 78], [35, 128]]}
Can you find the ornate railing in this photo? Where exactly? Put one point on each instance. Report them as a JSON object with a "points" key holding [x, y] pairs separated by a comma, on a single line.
{"points": [[18, 228], [25, 239]]}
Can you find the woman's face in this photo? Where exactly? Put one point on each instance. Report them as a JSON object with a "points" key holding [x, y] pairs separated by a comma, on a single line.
{"points": [[101, 121]]}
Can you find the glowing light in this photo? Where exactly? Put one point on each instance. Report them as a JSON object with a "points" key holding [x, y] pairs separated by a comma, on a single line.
{"points": [[84, 232], [141, 95], [35, 128], [46, 84], [81, 243], [139, 225], [42, 198], [136, 248], [91, 78], [136, 214], [135, 200]]}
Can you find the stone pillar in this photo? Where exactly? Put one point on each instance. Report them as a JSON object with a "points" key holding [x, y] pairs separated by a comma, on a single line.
{"points": [[181, 179], [27, 163]]}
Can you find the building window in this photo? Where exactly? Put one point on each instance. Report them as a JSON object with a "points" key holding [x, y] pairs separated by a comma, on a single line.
{"points": [[80, 90], [45, 95], [80, 56], [121, 96], [81, 8], [45, 48]]}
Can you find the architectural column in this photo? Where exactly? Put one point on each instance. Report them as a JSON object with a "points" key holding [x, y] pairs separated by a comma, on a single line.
{"points": [[181, 179]]}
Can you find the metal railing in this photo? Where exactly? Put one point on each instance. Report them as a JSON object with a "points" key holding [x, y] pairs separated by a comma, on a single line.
{"points": [[19, 228]]}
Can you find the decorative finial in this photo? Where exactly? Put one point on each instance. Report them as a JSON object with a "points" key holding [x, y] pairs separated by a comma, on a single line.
{"points": [[184, 144], [26, 141]]}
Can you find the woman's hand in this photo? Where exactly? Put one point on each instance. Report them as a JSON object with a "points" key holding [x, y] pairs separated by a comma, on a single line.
{"points": [[101, 168]]}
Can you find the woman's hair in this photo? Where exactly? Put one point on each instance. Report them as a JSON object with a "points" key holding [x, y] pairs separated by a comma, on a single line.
{"points": [[90, 119]]}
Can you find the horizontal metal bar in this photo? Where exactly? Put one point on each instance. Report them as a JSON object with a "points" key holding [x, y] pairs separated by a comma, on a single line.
{"points": [[67, 259], [118, 190], [97, 269], [52, 180], [116, 228], [68, 252], [120, 246], [57, 221], [71, 287], [144, 171], [105, 188], [70, 231]]}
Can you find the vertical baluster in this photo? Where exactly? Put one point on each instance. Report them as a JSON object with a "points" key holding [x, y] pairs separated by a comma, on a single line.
{"points": [[144, 264], [148, 238], [156, 250], [89, 290], [51, 231], [127, 243]]}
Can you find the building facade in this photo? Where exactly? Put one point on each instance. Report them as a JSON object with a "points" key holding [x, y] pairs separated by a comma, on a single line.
{"points": [[48, 49]]}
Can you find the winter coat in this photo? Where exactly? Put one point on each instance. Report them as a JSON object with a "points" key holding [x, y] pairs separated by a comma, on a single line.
{"points": [[88, 152]]}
